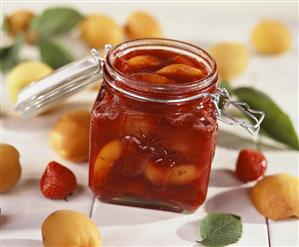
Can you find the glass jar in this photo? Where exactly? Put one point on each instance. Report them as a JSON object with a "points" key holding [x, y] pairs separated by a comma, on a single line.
{"points": [[151, 144]]}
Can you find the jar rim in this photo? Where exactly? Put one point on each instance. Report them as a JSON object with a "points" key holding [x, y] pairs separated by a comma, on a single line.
{"points": [[120, 80]]}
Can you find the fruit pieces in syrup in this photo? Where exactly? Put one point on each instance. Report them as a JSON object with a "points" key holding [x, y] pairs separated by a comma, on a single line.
{"points": [[170, 66]]}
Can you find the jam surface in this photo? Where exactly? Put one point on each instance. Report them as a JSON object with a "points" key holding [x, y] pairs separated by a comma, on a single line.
{"points": [[152, 154], [159, 66]]}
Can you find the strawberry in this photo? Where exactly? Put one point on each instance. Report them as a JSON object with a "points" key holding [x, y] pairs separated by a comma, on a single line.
{"points": [[251, 165], [57, 181]]}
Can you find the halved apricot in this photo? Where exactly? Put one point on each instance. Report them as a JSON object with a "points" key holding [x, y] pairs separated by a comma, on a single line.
{"points": [[183, 174], [140, 124], [177, 175], [143, 62], [180, 71], [152, 78], [157, 174], [183, 60], [106, 157]]}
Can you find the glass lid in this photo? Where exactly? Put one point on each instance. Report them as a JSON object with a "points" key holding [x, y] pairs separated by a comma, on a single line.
{"points": [[68, 80]]}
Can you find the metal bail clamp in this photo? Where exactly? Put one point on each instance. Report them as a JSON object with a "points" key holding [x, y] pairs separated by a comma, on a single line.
{"points": [[100, 59], [252, 128]]}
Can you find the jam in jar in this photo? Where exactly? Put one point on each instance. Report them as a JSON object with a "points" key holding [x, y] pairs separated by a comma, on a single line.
{"points": [[152, 138], [154, 121]]}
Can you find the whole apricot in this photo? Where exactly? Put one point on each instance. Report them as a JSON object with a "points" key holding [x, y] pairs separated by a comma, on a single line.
{"points": [[271, 37], [231, 59], [99, 30], [142, 25], [277, 196], [70, 135], [10, 169], [19, 21], [69, 228], [24, 74]]}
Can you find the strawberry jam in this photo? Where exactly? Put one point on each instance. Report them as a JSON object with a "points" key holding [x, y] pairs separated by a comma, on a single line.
{"points": [[152, 137]]}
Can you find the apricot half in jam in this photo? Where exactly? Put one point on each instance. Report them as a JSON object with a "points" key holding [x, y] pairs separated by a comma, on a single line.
{"points": [[177, 175], [152, 78], [143, 62], [184, 71], [183, 174], [156, 174], [139, 125], [105, 158]]}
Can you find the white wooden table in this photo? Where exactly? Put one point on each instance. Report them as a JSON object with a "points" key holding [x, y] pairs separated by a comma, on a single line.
{"points": [[24, 208]]}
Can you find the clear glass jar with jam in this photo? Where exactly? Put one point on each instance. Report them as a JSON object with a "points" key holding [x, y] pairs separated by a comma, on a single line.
{"points": [[153, 123]]}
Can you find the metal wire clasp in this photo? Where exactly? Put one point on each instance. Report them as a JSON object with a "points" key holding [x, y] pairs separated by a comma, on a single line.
{"points": [[100, 59], [222, 115]]}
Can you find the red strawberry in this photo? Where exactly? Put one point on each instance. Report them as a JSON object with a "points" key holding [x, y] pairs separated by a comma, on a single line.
{"points": [[251, 165], [57, 181]]}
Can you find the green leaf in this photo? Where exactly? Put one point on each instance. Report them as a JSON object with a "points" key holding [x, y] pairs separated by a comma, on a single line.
{"points": [[57, 20], [54, 54], [277, 123], [225, 84], [220, 229], [9, 56]]}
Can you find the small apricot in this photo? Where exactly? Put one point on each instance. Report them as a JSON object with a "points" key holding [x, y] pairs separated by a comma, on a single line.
{"points": [[277, 196], [70, 135], [10, 169], [70, 228], [231, 59], [142, 25], [99, 30], [24, 74], [19, 22], [271, 37]]}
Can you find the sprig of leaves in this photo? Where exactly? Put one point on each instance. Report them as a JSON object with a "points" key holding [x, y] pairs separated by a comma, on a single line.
{"points": [[10, 56], [277, 124], [220, 229], [53, 21], [54, 54]]}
